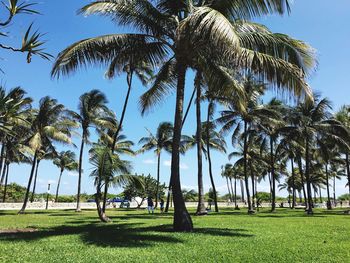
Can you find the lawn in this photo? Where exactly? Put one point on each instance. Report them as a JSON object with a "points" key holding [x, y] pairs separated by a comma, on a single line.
{"points": [[135, 236]]}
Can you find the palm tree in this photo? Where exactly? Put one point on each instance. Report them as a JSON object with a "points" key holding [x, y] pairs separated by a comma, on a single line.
{"points": [[176, 34], [107, 129], [108, 169], [65, 160], [92, 107], [50, 123], [159, 142]]}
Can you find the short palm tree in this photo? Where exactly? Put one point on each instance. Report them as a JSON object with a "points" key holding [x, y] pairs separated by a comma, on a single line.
{"points": [[50, 123], [162, 140], [109, 169], [65, 160], [92, 107]]}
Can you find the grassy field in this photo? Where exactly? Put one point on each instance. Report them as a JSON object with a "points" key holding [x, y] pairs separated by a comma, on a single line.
{"points": [[135, 236]]}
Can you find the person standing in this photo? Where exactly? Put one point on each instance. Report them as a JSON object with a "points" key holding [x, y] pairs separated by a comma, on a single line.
{"points": [[150, 206]]}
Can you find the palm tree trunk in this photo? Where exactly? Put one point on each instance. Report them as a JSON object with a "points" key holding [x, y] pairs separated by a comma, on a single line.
{"points": [[100, 212], [182, 219], [245, 170], [229, 191], [302, 181], [201, 203], [6, 182], [319, 189], [2, 157], [329, 204], [348, 172], [253, 184], [105, 197], [242, 190], [35, 179], [158, 178], [3, 175], [307, 174], [189, 106], [209, 160], [58, 185], [293, 182], [80, 170], [129, 81], [166, 209], [334, 197], [26, 196], [235, 192], [273, 179]]}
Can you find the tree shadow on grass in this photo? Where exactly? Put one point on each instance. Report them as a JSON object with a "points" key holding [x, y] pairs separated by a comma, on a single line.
{"points": [[121, 235]]}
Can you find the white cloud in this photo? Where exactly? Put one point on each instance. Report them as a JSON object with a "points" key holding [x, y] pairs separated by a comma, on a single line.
{"points": [[73, 173], [148, 161], [183, 166]]}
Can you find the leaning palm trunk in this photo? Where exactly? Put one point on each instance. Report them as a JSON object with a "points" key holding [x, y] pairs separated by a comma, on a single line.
{"points": [[233, 194], [245, 148], [26, 197], [3, 175], [329, 204], [158, 178], [104, 201], [182, 219], [78, 209], [100, 212], [58, 185], [209, 161], [6, 182], [35, 179], [2, 157], [228, 188], [273, 179], [201, 205]]}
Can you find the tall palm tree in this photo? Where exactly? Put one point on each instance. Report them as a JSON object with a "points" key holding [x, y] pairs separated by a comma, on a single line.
{"points": [[162, 140], [50, 123], [65, 160], [92, 107], [182, 35]]}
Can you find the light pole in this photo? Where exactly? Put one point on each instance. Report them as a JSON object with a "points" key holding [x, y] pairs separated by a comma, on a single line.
{"points": [[47, 196]]}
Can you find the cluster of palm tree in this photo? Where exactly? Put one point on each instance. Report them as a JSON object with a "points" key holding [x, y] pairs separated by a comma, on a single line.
{"points": [[303, 143]]}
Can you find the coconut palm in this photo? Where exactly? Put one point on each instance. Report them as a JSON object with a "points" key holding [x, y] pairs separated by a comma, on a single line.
{"points": [[92, 107], [65, 160], [162, 140], [183, 35], [107, 129], [109, 169], [50, 123]]}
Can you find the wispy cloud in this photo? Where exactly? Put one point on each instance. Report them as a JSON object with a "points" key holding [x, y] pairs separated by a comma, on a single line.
{"points": [[73, 173], [149, 161], [183, 166]]}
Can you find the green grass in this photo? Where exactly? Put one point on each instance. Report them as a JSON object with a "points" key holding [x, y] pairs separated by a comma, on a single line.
{"points": [[135, 236]]}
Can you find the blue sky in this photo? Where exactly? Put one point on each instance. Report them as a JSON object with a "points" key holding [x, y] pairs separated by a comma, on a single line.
{"points": [[323, 25]]}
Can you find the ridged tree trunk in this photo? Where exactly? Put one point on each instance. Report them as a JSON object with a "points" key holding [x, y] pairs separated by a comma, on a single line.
{"points": [[100, 212], [182, 219], [209, 160], [80, 170], [6, 182], [293, 182], [307, 175], [329, 204], [58, 185], [104, 201], [26, 196], [35, 179], [242, 190], [245, 170], [348, 172], [158, 178], [201, 202], [273, 179], [3, 175]]}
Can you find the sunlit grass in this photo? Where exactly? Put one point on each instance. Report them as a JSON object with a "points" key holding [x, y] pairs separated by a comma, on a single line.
{"points": [[135, 236]]}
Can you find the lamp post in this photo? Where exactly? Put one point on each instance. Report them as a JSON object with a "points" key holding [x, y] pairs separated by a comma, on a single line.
{"points": [[47, 196]]}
